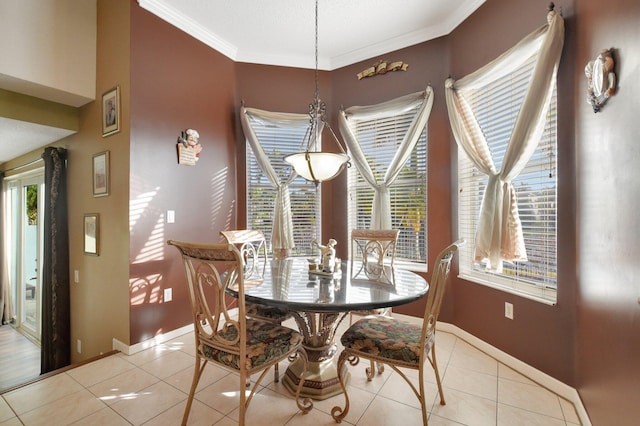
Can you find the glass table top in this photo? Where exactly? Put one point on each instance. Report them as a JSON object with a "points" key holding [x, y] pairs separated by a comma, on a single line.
{"points": [[289, 284]]}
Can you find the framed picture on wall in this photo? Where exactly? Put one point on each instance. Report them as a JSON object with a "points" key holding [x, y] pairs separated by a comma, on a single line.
{"points": [[91, 233], [111, 112], [101, 174]]}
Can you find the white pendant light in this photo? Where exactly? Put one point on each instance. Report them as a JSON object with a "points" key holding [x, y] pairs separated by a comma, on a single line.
{"points": [[318, 166]]}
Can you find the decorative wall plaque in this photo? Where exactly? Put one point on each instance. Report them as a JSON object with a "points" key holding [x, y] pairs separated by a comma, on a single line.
{"points": [[382, 67], [189, 147]]}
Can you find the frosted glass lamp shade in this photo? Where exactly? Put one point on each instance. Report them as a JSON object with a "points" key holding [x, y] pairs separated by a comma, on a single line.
{"points": [[317, 166]]}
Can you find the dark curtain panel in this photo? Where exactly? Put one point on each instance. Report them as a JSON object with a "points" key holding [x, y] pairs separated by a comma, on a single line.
{"points": [[56, 318]]}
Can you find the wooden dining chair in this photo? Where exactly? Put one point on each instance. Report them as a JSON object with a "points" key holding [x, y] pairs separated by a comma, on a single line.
{"points": [[243, 345], [253, 249], [399, 344]]}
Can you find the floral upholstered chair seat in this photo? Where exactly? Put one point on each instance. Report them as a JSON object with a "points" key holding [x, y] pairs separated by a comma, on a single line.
{"points": [[385, 338], [267, 313], [266, 342]]}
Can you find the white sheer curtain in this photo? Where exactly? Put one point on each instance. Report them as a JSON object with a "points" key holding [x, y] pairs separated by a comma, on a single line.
{"points": [[282, 235], [499, 234], [381, 209], [7, 313]]}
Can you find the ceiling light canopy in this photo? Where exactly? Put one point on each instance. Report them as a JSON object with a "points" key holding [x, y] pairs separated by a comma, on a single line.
{"points": [[318, 166]]}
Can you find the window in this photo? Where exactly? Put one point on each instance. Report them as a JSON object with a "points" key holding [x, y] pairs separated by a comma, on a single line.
{"points": [[277, 142], [496, 107], [379, 140]]}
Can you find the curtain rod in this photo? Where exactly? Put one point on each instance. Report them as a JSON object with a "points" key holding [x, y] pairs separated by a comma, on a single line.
{"points": [[22, 166]]}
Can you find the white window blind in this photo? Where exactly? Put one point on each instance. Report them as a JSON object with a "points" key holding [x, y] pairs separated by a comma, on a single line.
{"points": [[496, 108], [379, 140], [278, 142]]}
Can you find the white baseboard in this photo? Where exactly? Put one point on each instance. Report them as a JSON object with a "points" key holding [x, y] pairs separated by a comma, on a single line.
{"points": [[543, 379], [161, 338]]}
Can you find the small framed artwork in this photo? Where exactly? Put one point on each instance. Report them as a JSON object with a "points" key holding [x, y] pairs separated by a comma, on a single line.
{"points": [[101, 174], [91, 234], [111, 112]]}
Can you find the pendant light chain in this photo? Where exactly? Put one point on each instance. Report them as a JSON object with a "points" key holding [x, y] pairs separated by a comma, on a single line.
{"points": [[317, 166], [317, 108], [317, 94]]}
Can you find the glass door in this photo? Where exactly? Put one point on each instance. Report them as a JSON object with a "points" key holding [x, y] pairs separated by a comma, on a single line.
{"points": [[27, 209]]}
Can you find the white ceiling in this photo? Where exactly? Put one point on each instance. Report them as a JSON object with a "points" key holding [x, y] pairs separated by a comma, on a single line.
{"points": [[20, 137], [282, 32]]}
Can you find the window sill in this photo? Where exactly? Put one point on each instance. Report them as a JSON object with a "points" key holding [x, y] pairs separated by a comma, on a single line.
{"points": [[513, 290]]}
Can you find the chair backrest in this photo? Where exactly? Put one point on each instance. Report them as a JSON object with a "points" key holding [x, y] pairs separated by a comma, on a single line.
{"points": [[253, 248], [210, 270], [374, 248], [437, 286]]}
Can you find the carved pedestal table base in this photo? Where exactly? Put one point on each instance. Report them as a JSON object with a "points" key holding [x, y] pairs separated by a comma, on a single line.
{"points": [[319, 331]]}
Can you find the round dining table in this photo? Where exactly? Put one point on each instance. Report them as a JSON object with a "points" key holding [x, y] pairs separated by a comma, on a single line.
{"points": [[319, 302]]}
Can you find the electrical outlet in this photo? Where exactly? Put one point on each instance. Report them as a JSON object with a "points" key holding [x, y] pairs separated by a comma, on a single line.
{"points": [[168, 295], [508, 310], [79, 346], [76, 276]]}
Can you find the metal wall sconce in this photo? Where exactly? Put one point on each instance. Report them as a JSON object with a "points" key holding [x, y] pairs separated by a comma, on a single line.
{"points": [[601, 80]]}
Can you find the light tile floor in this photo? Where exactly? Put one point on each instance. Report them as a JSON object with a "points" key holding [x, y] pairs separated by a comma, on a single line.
{"points": [[150, 388]]}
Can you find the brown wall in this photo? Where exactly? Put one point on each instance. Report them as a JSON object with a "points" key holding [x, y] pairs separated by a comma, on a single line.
{"points": [[540, 335], [428, 65], [608, 310], [589, 339], [262, 87], [176, 83]]}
